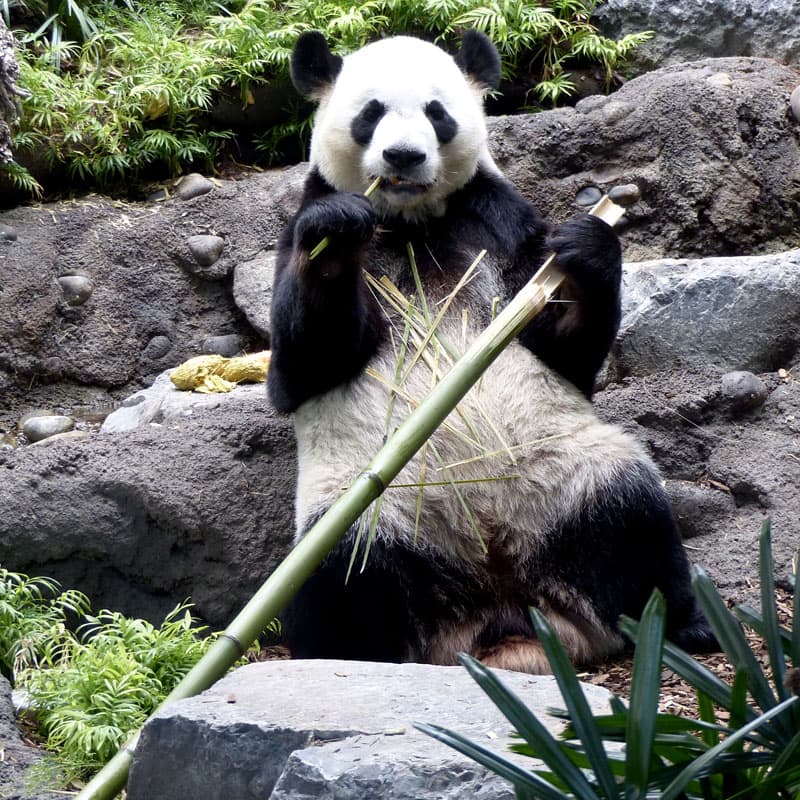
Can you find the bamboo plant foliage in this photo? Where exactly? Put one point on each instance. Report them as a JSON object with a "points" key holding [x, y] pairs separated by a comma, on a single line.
{"points": [[750, 751], [118, 89]]}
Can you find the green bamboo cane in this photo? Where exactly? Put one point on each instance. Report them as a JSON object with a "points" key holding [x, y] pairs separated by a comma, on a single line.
{"points": [[312, 549]]}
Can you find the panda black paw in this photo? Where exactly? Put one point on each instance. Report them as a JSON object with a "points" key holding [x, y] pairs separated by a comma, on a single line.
{"points": [[588, 251], [348, 220]]}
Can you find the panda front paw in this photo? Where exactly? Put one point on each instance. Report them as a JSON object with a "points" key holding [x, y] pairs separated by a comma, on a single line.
{"points": [[348, 220], [588, 251]]}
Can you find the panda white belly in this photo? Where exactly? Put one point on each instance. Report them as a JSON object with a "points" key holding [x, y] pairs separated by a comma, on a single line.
{"points": [[524, 450]]}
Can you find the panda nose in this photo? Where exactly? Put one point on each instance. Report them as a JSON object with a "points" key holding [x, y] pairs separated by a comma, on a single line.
{"points": [[402, 158]]}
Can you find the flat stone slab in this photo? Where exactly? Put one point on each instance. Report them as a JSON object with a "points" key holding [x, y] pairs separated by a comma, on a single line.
{"points": [[295, 730]]}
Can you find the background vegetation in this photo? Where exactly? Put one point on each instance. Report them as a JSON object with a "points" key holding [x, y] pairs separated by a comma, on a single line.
{"points": [[124, 91]]}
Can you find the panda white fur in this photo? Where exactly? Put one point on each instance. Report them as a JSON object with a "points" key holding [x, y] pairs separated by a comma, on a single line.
{"points": [[574, 520]]}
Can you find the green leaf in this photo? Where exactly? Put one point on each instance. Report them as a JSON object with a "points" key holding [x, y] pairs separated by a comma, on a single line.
{"points": [[645, 686], [770, 612], [733, 641], [690, 670], [708, 760], [542, 742], [578, 707]]}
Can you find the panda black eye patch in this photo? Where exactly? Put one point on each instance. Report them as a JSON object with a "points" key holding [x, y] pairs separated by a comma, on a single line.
{"points": [[364, 123], [443, 124]]}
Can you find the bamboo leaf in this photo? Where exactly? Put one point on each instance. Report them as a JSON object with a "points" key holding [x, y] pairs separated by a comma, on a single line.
{"points": [[578, 707], [645, 686]]}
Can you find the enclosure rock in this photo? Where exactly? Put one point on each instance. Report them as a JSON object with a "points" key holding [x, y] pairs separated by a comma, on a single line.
{"points": [[686, 30], [190, 499], [293, 730], [710, 145], [723, 313]]}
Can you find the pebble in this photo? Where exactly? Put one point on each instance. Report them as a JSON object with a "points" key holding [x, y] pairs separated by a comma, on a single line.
{"points": [[743, 391], [625, 195], [588, 196], [227, 345], [193, 185], [76, 289], [206, 248], [794, 103], [157, 348], [7, 233], [38, 428]]}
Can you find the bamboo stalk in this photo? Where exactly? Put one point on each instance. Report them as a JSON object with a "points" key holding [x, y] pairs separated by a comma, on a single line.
{"points": [[312, 549]]}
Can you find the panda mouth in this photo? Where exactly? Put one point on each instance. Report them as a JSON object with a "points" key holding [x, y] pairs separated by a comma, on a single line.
{"points": [[400, 184]]}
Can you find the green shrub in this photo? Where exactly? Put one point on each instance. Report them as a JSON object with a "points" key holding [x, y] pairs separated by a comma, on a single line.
{"points": [[754, 755], [33, 620], [88, 691], [108, 680], [128, 93]]}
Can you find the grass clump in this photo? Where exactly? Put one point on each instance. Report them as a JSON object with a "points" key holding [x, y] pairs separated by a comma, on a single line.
{"points": [[88, 690], [123, 92]]}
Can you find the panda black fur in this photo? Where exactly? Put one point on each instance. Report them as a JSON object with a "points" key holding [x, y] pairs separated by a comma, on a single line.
{"points": [[580, 528]]}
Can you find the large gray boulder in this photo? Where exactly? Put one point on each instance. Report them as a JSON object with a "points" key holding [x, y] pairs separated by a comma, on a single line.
{"points": [[183, 496], [687, 30], [724, 313], [145, 302], [709, 144], [297, 730]]}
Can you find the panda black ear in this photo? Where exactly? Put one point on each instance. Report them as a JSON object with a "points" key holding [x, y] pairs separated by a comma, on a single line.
{"points": [[313, 67], [479, 59]]}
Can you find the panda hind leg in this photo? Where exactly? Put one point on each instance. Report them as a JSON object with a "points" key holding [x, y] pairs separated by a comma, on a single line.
{"points": [[515, 646]]}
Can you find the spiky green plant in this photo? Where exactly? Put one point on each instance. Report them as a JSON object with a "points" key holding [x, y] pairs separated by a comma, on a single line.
{"points": [[755, 754]]}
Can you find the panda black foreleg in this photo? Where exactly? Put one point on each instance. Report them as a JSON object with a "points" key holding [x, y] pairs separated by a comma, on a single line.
{"points": [[324, 324], [575, 332]]}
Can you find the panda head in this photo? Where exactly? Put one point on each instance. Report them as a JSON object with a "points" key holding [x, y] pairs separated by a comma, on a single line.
{"points": [[400, 109]]}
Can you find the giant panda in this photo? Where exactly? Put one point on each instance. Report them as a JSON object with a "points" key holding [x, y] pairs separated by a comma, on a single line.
{"points": [[523, 498]]}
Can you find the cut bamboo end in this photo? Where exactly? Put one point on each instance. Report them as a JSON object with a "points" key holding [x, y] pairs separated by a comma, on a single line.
{"points": [[549, 278]]}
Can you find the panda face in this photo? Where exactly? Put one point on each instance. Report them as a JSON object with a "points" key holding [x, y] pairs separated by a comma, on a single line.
{"points": [[403, 111]]}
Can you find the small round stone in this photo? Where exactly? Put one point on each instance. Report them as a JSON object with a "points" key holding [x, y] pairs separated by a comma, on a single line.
{"points": [[588, 196], [625, 195], [228, 345], [794, 103], [157, 348], [743, 391], [7, 233], [38, 428], [206, 248], [76, 289], [193, 185]]}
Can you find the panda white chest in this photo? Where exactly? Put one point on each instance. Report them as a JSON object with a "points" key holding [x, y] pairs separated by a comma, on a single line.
{"points": [[521, 449]]}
